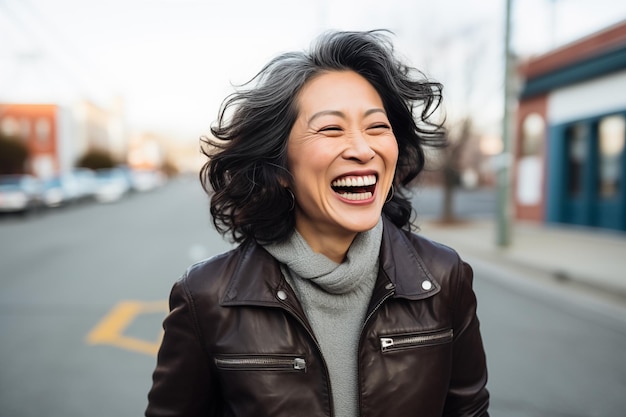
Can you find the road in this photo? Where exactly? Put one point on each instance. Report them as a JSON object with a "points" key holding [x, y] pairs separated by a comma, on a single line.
{"points": [[83, 290], [68, 271]]}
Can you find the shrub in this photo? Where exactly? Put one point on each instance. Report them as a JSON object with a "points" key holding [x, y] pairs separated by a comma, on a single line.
{"points": [[13, 155], [96, 159]]}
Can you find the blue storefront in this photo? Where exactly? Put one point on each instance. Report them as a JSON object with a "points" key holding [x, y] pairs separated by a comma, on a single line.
{"points": [[583, 100]]}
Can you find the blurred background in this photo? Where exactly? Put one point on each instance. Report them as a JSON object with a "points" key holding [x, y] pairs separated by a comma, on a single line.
{"points": [[102, 105]]}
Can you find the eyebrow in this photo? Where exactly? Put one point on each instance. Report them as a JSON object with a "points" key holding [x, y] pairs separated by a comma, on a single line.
{"points": [[342, 114]]}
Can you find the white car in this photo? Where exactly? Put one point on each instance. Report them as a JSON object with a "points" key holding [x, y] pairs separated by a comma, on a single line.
{"points": [[111, 185], [87, 183], [19, 193], [61, 190], [145, 179]]}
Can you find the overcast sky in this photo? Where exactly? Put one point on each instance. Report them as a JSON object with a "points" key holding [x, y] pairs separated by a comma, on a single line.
{"points": [[173, 60]]}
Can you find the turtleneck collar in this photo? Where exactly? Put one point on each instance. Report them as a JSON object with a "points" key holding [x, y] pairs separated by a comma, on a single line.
{"points": [[361, 260]]}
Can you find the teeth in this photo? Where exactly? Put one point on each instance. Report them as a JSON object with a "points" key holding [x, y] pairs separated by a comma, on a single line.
{"points": [[363, 181], [357, 196]]}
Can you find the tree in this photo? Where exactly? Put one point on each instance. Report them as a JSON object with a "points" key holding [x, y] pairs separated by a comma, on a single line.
{"points": [[96, 159], [13, 155], [451, 167], [465, 65]]}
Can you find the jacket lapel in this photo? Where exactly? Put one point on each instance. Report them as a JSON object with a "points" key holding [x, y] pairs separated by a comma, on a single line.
{"points": [[404, 267], [258, 281], [256, 278]]}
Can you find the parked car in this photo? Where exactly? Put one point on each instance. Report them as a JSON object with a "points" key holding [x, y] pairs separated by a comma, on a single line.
{"points": [[60, 190], [19, 193], [146, 179], [111, 185], [87, 183]]}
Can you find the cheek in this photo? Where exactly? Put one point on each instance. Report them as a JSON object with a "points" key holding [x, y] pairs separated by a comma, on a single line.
{"points": [[390, 151], [311, 157], [395, 152], [307, 164]]}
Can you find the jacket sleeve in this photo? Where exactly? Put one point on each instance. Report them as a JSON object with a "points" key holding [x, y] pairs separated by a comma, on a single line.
{"points": [[467, 394], [181, 381]]}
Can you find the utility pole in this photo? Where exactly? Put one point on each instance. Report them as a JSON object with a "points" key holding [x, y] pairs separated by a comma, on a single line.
{"points": [[505, 160]]}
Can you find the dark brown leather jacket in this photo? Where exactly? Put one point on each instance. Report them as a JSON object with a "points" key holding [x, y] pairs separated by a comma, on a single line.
{"points": [[237, 342]]}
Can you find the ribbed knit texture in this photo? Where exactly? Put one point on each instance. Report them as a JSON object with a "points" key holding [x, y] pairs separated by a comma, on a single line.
{"points": [[335, 299]]}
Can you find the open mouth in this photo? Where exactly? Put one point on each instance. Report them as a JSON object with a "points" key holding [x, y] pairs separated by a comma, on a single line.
{"points": [[355, 188]]}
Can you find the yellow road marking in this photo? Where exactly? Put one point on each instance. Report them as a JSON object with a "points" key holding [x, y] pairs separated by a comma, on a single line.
{"points": [[110, 330]]}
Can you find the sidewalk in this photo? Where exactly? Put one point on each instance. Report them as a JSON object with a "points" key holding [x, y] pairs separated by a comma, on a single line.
{"points": [[596, 259]]}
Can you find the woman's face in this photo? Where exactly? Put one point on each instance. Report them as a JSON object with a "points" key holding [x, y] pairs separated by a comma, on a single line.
{"points": [[342, 154]]}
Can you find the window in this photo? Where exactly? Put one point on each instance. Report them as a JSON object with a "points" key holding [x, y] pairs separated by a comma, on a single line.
{"points": [[529, 166], [611, 131], [576, 136], [25, 128], [42, 130], [10, 126], [533, 132]]}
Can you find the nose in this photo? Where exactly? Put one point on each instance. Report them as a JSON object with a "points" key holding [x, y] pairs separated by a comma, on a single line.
{"points": [[358, 148]]}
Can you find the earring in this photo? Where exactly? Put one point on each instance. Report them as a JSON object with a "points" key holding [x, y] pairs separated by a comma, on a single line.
{"points": [[293, 199], [389, 197]]}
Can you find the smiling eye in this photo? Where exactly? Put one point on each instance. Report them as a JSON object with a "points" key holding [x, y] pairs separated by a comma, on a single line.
{"points": [[330, 129], [379, 127]]}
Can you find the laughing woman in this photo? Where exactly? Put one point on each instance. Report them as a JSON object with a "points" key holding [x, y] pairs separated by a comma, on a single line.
{"points": [[329, 305]]}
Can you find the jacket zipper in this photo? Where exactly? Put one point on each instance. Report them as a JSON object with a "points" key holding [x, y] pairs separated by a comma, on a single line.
{"points": [[307, 327], [399, 342], [369, 316], [296, 364]]}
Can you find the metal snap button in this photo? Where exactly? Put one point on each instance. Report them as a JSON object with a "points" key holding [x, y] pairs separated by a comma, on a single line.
{"points": [[427, 285], [281, 295], [389, 286]]}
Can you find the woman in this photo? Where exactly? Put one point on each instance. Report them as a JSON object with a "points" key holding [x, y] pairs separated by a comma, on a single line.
{"points": [[329, 306]]}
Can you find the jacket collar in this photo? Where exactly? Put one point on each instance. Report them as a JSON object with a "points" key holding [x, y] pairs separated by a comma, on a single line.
{"points": [[257, 279], [403, 265]]}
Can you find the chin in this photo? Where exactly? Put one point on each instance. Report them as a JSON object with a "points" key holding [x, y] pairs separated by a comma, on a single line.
{"points": [[362, 224]]}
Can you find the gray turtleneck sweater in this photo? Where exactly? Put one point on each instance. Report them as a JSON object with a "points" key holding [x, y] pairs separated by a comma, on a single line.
{"points": [[335, 299]]}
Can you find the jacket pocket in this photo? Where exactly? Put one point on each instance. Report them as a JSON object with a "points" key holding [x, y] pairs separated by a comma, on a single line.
{"points": [[288, 363], [414, 340]]}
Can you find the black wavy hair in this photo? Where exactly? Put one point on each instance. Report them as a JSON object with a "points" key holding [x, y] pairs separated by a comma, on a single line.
{"points": [[246, 171]]}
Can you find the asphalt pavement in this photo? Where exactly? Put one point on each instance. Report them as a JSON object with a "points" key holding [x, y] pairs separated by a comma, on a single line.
{"points": [[83, 292]]}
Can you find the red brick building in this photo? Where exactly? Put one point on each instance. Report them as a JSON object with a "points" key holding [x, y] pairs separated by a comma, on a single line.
{"points": [[37, 126]]}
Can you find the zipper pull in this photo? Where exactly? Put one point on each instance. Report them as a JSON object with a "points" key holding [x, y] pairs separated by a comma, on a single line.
{"points": [[386, 342], [299, 364]]}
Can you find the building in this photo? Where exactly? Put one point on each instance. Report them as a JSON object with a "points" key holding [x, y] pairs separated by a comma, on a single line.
{"points": [[58, 134], [37, 126], [569, 158]]}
